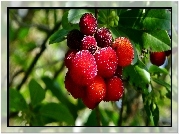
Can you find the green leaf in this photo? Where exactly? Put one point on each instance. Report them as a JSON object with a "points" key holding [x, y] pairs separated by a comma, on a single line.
{"points": [[57, 92], [156, 40], [23, 32], [161, 82], [131, 18], [137, 75], [66, 25], [16, 101], [156, 69], [74, 15], [58, 112], [58, 36], [117, 33], [157, 19], [92, 119], [37, 93]]}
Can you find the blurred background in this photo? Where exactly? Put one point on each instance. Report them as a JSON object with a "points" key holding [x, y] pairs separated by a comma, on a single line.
{"points": [[31, 57]]}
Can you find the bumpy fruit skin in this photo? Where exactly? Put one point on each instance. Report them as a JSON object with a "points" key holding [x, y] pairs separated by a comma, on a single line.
{"points": [[89, 43], [157, 58], [114, 89], [95, 92], [84, 68], [75, 90], [74, 38], [69, 57], [88, 24], [124, 51], [106, 60], [103, 37]]}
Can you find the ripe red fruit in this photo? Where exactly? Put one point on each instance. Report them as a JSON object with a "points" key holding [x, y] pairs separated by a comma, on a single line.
{"points": [[75, 90], [114, 89], [89, 43], [88, 24], [84, 68], [95, 92], [74, 38], [124, 51], [69, 56], [106, 60], [157, 58], [103, 37]]}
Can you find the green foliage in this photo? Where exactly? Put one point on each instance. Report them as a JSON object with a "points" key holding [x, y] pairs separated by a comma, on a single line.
{"points": [[58, 36], [58, 112], [37, 93], [16, 101], [49, 102]]}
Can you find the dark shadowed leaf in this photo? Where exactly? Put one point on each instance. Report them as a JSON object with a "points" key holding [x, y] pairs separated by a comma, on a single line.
{"points": [[37, 93], [58, 112]]}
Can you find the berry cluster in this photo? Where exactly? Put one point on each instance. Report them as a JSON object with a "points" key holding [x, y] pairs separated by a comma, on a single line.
{"points": [[95, 62]]}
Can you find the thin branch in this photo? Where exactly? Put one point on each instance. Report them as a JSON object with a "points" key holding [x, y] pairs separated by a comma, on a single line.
{"points": [[120, 113], [43, 47]]}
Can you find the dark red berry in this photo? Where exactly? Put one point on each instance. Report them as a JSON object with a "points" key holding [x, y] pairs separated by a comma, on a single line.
{"points": [[89, 43], [157, 58], [74, 38], [103, 37], [88, 24]]}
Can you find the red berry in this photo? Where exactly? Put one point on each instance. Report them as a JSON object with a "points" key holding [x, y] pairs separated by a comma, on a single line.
{"points": [[88, 24], [75, 90], [84, 68], [106, 60], [95, 92], [74, 38], [89, 43], [157, 58], [124, 51], [68, 57], [103, 37], [114, 89]]}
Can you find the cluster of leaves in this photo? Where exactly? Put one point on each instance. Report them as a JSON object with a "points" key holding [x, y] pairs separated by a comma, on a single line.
{"points": [[146, 29]]}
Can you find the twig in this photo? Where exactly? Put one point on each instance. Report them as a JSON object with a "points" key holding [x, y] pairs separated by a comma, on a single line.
{"points": [[43, 47]]}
